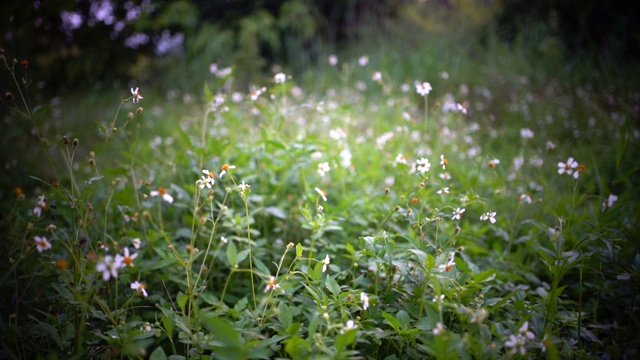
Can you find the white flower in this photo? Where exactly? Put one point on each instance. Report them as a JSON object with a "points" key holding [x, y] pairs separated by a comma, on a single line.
{"points": [[571, 167], [321, 193], [423, 165], [526, 133], [610, 201], [350, 325], [449, 264], [345, 158], [363, 60], [280, 78], [136, 95], [365, 300], [41, 243], [136, 243], [524, 331], [439, 329], [41, 204], [525, 198], [376, 76], [491, 216], [164, 193], [255, 94], [517, 344], [207, 179], [444, 190], [457, 213], [127, 259], [326, 261], [493, 163], [272, 285], [444, 162], [226, 168], [400, 159], [139, 287], [108, 268], [423, 88], [224, 240], [333, 60], [244, 187], [323, 168]]}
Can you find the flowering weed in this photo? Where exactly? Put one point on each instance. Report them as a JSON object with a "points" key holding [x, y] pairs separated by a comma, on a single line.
{"points": [[331, 235]]}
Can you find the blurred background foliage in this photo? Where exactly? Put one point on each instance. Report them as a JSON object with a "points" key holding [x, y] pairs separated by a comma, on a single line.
{"points": [[89, 44]]}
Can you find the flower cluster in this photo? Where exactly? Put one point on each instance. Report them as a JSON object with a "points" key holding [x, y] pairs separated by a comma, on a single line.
{"points": [[423, 89], [41, 205], [109, 266]]}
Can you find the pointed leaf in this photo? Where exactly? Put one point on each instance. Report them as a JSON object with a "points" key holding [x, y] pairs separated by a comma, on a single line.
{"points": [[332, 285]]}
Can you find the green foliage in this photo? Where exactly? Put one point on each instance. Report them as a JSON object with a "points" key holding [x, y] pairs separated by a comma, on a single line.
{"points": [[281, 223]]}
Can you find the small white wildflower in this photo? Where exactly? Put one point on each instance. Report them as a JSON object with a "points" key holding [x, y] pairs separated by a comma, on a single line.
{"points": [[323, 168], [321, 193], [325, 262], [280, 78], [365, 300], [457, 213]]}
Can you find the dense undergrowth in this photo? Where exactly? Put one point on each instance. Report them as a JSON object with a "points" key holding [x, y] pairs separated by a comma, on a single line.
{"points": [[360, 212]]}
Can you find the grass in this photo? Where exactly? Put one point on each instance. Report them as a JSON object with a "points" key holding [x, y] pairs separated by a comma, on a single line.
{"points": [[488, 253]]}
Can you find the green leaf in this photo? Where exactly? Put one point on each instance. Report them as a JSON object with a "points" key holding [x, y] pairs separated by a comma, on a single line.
{"points": [[102, 129], [403, 318], [232, 253], [346, 339], [430, 262], [284, 315], [486, 275], [242, 255], [182, 300], [222, 331], [210, 299], [395, 324], [332, 285], [158, 354], [299, 250], [296, 347], [155, 265], [168, 320]]}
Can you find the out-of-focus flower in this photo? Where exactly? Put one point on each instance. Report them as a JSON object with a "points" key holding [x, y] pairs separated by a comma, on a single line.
{"points": [[164, 193], [321, 193], [365, 300], [42, 244], [140, 287], [457, 213]]}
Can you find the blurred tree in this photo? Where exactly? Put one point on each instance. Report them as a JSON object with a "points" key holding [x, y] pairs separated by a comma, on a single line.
{"points": [[607, 31], [87, 43]]}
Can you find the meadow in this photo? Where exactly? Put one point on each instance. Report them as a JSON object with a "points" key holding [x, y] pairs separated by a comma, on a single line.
{"points": [[385, 204]]}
